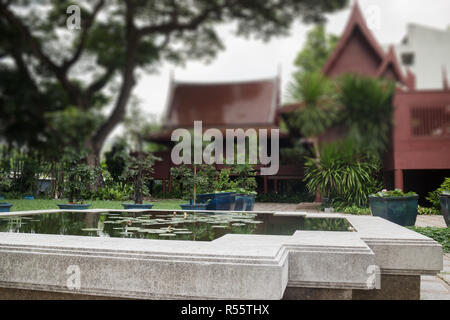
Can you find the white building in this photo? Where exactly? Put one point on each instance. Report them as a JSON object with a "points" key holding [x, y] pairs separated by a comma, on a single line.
{"points": [[426, 52]]}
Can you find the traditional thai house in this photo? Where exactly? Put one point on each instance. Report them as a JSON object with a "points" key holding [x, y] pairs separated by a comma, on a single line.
{"points": [[419, 155], [227, 105]]}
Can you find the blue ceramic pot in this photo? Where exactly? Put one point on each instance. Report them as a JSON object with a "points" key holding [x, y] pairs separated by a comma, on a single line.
{"points": [[5, 207], [197, 206], [249, 202], [400, 210], [239, 202], [222, 202], [137, 206], [74, 206]]}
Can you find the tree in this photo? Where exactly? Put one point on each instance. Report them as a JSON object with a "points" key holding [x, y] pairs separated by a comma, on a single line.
{"points": [[316, 50], [82, 68]]}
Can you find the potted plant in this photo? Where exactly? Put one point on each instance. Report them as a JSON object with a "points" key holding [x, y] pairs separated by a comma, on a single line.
{"points": [[193, 180], [395, 206], [445, 206], [5, 184], [135, 172], [79, 177]]}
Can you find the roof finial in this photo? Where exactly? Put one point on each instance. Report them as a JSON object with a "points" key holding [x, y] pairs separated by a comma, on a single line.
{"points": [[445, 78]]}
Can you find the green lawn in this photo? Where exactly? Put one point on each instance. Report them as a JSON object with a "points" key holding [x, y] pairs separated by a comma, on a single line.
{"points": [[43, 204]]}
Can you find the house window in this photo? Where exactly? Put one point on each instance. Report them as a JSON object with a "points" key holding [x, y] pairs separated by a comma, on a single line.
{"points": [[431, 121], [408, 58]]}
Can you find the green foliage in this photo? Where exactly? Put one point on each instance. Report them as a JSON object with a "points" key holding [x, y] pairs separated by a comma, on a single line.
{"points": [[427, 211], [393, 193], [223, 181], [116, 159], [441, 235], [366, 111], [342, 174], [117, 38], [5, 182], [318, 47], [26, 182], [245, 178], [116, 192], [138, 170], [201, 179], [434, 196], [79, 178], [354, 210], [316, 92]]}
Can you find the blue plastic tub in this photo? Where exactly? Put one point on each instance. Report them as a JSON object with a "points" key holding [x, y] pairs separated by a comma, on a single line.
{"points": [[28, 197]]}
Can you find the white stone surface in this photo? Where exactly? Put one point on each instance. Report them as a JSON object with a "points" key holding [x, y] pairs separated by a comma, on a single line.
{"points": [[232, 267]]}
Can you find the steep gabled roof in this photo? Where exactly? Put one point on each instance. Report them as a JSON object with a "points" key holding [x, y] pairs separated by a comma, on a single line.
{"points": [[356, 31], [390, 68], [224, 104]]}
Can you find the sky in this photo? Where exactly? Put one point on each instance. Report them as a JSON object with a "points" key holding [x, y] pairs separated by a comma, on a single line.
{"points": [[244, 59]]}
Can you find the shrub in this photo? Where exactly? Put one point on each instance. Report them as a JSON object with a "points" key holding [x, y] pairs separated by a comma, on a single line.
{"points": [[434, 196], [393, 193], [367, 111], [427, 211], [343, 174], [354, 210]]}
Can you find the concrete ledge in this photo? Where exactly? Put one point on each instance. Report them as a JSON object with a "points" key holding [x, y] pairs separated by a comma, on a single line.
{"points": [[305, 265]]}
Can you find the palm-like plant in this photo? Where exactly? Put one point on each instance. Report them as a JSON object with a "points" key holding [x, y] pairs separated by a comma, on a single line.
{"points": [[317, 95], [366, 111], [343, 173]]}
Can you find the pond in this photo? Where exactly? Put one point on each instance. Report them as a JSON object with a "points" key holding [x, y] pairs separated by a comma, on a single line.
{"points": [[166, 224]]}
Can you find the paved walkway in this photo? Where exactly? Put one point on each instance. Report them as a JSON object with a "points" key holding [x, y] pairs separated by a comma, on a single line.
{"points": [[431, 287]]}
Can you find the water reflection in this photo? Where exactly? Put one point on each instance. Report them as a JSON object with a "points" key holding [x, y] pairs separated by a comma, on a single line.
{"points": [[166, 225]]}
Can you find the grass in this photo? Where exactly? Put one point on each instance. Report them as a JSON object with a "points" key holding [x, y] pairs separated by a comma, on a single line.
{"points": [[44, 204]]}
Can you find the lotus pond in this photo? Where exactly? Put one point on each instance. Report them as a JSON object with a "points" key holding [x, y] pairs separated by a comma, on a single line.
{"points": [[166, 224]]}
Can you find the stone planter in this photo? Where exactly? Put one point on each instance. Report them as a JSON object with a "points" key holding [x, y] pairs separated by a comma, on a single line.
{"points": [[73, 206], [197, 206], [400, 210], [128, 206], [5, 207], [445, 208]]}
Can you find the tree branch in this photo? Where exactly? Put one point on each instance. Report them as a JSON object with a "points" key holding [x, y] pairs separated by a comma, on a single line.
{"points": [[72, 91], [128, 81]]}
